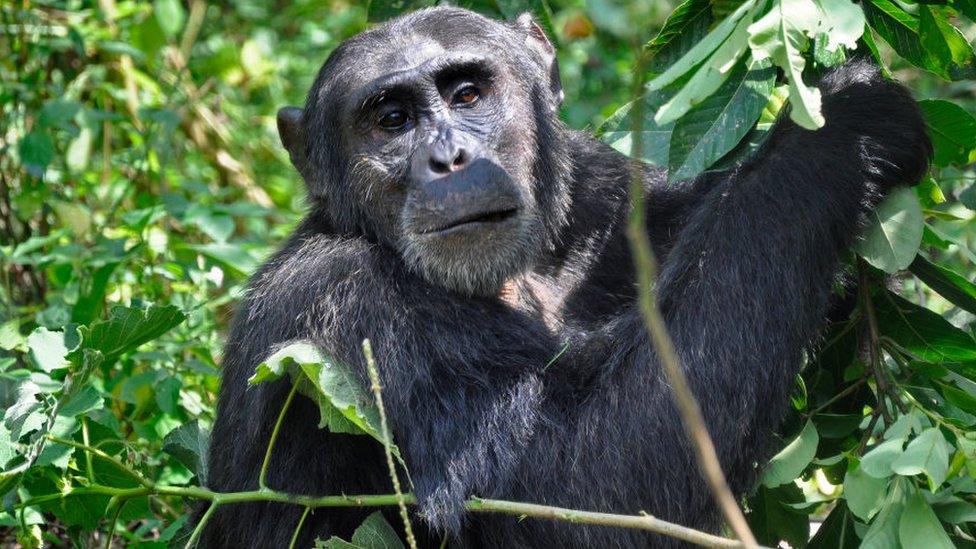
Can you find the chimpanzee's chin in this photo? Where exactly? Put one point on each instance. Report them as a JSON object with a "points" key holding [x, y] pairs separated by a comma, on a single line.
{"points": [[475, 258]]}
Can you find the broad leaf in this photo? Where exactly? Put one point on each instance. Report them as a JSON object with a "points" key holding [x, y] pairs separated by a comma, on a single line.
{"points": [[126, 329], [949, 284], [704, 49], [783, 34], [952, 130], [864, 493], [919, 527], [683, 29], [922, 332], [877, 462], [374, 533], [883, 532], [929, 454], [894, 233], [837, 531], [715, 126], [792, 460], [190, 444]]}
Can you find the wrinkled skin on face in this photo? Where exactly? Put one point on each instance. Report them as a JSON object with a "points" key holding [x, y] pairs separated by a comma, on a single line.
{"points": [[429, 143]]}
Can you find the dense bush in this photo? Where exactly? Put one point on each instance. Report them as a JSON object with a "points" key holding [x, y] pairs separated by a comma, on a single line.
{"points": [[141, 181]]}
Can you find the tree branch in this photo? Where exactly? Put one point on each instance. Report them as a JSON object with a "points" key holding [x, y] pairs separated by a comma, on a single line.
{"points": [[646, 266]]}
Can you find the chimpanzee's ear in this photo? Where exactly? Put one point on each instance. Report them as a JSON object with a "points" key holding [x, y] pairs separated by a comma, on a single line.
{"points": [[292, 136], [537, 40]]}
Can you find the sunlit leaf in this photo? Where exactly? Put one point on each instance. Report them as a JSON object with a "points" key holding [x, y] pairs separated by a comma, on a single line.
{"points": [[919, 527], [894, 232], [792, 460]]}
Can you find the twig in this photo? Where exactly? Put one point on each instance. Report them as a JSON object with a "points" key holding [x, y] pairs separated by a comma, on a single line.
{"points": [[198, 531], [872, 328], [646, 266], [262, 476], [298, 529], [374, 378], [148, 488]]}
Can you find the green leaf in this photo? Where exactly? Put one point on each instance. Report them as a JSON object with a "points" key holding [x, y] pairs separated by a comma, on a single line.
{"points": [[929, 454], [922, 332], [704, 49], [946, 282], [946, 42], [883, 532], [837, 531], [126, 329], [374, 533], [930, 43], [919, 527], [864, 493], [716, 125], [344, 404], [684, 28], [189, 444], [952, 130], [783, 34], [85, 400], [709, 76], [79, 151], [381, 10], [170, 15], [894, 233], [877, 462], [773, 516], [36, 151], [791, 461], [47, 349]]}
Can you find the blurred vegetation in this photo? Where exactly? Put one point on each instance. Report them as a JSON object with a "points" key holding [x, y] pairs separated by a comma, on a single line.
{"points": [[141, 181]]}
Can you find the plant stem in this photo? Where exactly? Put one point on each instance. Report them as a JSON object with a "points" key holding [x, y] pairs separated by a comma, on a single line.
{"points": [[262, 476], [198, 531], [640, 522], [374, 378], [111, 459], [646, 267], [298, 529]]}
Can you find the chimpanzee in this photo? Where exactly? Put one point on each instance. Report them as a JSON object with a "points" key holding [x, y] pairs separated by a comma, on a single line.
{"points": [[481, 246]]}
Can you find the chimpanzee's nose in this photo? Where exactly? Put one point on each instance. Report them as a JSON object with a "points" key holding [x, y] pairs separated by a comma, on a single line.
{"points": [[448, 156]]}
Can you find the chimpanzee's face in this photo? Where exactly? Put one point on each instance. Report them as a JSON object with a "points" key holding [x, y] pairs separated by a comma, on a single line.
{"points": [[437, 152]]}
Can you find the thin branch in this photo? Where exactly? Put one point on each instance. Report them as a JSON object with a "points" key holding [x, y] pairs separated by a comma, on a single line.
{"points": [[874, 357], [198, 531], [111, 459], [148, 488], [262, 476], [374, 378], [646, 266], [298, 529]]}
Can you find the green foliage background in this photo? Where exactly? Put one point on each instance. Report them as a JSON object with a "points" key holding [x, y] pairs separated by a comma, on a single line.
{"points": [[141, 181]]}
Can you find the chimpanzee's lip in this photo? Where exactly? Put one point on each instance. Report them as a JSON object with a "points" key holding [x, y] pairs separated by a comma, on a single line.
{"points": [[476, 220]]}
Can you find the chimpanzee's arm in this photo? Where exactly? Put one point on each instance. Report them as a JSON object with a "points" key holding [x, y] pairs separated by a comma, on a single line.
{"points": [[744, 288]]}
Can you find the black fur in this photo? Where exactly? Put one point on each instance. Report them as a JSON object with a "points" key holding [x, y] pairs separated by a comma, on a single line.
{"points": [[747, 257]]}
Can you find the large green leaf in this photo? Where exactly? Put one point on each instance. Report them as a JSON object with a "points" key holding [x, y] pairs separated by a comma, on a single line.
{"points": [[126, 329], [945, 42], [190, 443], [374, 533], [791, 461], [877, 462], [837, 531], [716, 125], [928, 453], [344, 404], [704, 49], [864, 493], [683, 29], [883, 532], [930, 43], [919, 527], [922, 332], [948, 283], [783, 35], [894, 232], [953, 132]]}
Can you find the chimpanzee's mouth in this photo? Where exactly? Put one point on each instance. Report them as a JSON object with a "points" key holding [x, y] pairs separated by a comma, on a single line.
{"points": [[476, 220]]}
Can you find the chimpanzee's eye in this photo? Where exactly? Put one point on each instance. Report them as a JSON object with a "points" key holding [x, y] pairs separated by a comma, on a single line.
{"points": [[466, 96], [394, 120]]}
